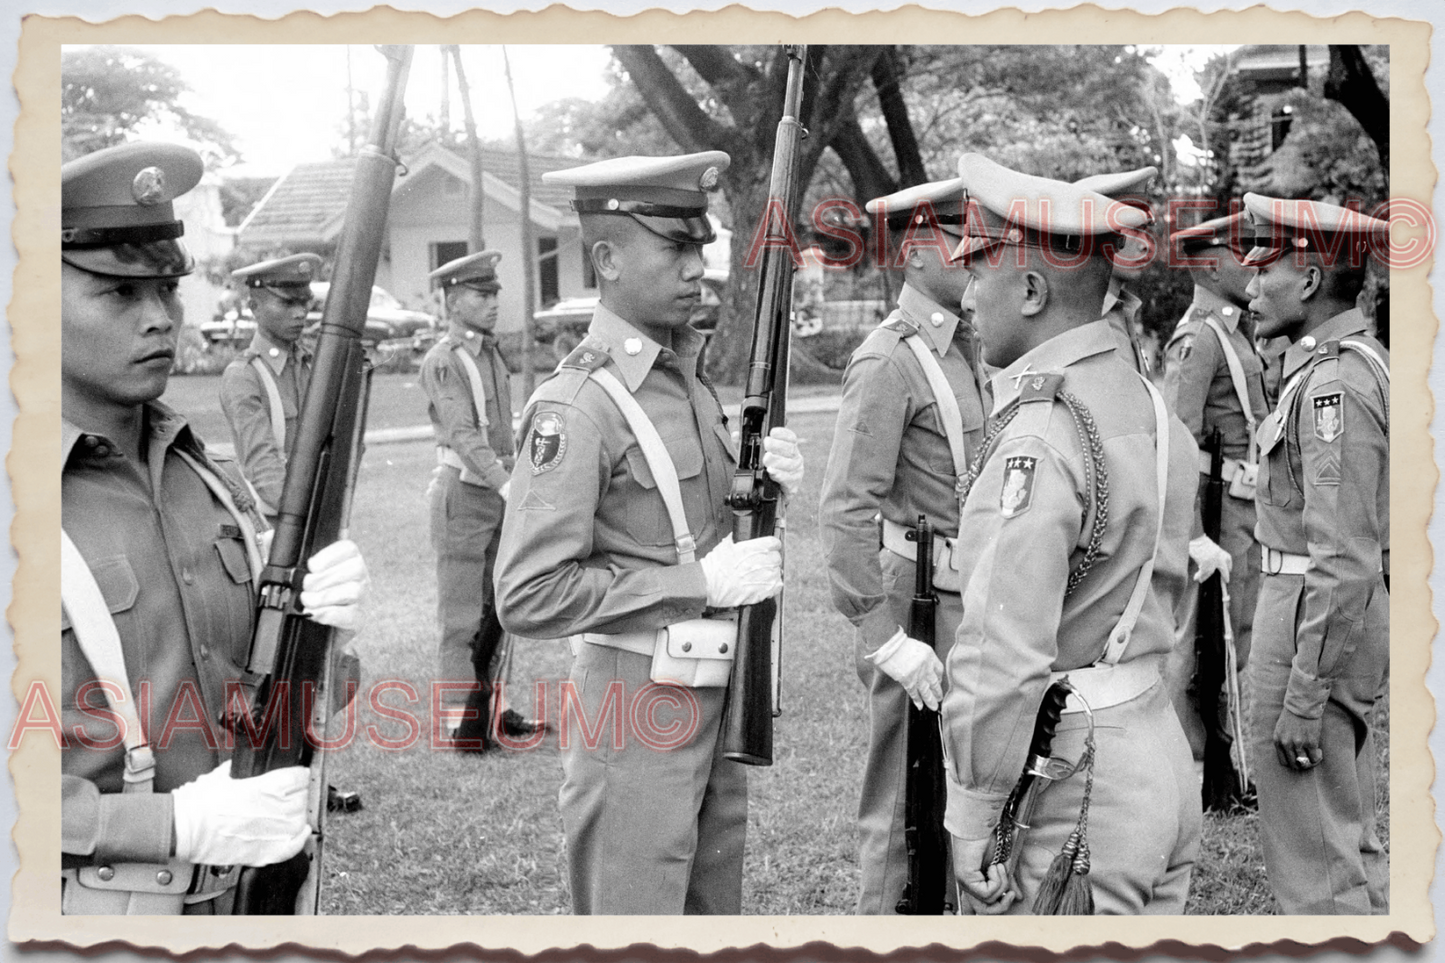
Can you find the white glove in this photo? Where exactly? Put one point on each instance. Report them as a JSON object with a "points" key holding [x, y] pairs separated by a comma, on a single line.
{"points": [[1209, 558], [783, 460], [506, 489], [336, 582], [222, 821], [913, 665], [742, 573]]}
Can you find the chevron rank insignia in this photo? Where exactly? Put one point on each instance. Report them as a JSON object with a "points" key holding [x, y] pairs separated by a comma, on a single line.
{"points": [[1329, 416], [548, 443], [1018, 485]]}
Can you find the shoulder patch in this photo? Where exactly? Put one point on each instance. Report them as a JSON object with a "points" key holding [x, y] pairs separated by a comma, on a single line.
{"points": [[1329, 415], [547, 442], [1182, 346], [1018, 485], [898, 324], [1039, 387]]}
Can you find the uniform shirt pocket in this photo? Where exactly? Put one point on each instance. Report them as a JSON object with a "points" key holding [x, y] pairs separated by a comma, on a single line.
{"points": [[929, 422], [233, 558], [117, 583], [651, 523]]}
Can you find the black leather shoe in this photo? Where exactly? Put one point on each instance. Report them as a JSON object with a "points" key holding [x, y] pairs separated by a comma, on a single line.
{"points": [[515, 724]]}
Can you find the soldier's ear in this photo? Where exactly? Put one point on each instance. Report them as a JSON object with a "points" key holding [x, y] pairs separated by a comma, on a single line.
{"points": [[604, 260], [1036, 293], [1310, 280]]}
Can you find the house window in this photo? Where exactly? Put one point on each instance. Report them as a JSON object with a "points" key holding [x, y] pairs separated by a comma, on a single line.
{"points": [[589, 273], [445, 251], [547, 269]]}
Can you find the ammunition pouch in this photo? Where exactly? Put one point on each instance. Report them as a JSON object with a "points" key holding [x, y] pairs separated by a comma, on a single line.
{"points": [[946, 577], [696, 654], [1241, 476], [142, 889]]}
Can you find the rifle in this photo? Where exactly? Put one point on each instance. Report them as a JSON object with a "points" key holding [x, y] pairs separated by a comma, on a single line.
{"points": [[290, 654], [1209, 649], [924, 794], [751, 699]]}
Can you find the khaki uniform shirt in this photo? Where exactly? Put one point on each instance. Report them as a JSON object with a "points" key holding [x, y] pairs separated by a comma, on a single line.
{"points": [[171, 564], [453, 412], [247, 407], [1324, 491], [890, 452], [1121, 310], [1197, 381], [1028, 518], [587, 545]]}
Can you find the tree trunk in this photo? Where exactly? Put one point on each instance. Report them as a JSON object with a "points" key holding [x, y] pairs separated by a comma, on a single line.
{"points": [[476, 233], [886, 77], [1351, 83]]}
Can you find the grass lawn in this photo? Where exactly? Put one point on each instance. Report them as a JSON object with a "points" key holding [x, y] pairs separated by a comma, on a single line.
{"points": [[445, 833]]}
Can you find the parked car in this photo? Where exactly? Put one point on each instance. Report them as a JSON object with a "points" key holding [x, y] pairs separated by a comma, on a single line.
{"points": [[386, 320], [564, 324]]}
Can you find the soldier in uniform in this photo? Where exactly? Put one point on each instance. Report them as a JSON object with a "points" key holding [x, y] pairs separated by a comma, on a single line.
{"points": [[617, 530], [262, 389], [469, 395], [1121, 306], [159, 558], [1214, 380], [900, 450], [1322, 626], [1077, 522]]}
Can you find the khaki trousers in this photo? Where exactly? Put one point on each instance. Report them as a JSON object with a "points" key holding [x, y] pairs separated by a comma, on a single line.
{"points": [[649, 830], [466, 526]]}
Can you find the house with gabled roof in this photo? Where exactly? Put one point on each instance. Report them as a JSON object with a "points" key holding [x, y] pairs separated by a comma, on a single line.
{"points": [[428, 224]]}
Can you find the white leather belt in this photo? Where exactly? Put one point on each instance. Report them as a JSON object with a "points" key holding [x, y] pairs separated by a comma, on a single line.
{"points": [[642, 642], [945, 573], [1102, 686], [1274, 562], [449, 458]]}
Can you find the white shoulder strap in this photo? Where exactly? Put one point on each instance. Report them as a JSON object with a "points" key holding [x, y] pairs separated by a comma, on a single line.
{"points": [[1119, 637], [664, 473], [479, 391], [947, 403], [273, 398], [1241, 386], [96, 634]]}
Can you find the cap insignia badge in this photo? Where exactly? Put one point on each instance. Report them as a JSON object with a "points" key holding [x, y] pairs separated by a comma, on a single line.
{"points": [[149, 186], [708, 179]]}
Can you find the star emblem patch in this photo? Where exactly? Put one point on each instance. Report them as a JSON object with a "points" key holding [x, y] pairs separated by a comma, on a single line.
{"points": [[1329, 416], [1018, 485]]}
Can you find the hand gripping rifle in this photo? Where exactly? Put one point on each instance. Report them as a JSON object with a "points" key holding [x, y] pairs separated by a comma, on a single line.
{"points": [[290, 654], [1218, 787], [924, 794], [748, 716]]}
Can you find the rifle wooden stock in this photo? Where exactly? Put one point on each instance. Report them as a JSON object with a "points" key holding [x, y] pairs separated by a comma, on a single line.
{"points": [[748, 716], [1217, 788], [924, 794], [289, 652]]}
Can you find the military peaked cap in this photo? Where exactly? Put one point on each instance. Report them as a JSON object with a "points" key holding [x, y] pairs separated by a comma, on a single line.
{"points": [[946, 200], [116, 215], [289, 273], [477, 271], [666, 195], [1291, 225], [1028, 211]]}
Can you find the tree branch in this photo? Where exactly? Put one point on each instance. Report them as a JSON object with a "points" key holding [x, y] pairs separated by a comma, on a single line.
{"points": [[719, 68], [673, 106]]}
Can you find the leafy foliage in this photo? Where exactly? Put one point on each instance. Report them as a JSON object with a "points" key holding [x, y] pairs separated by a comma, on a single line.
{"points": [[107, 92]]}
